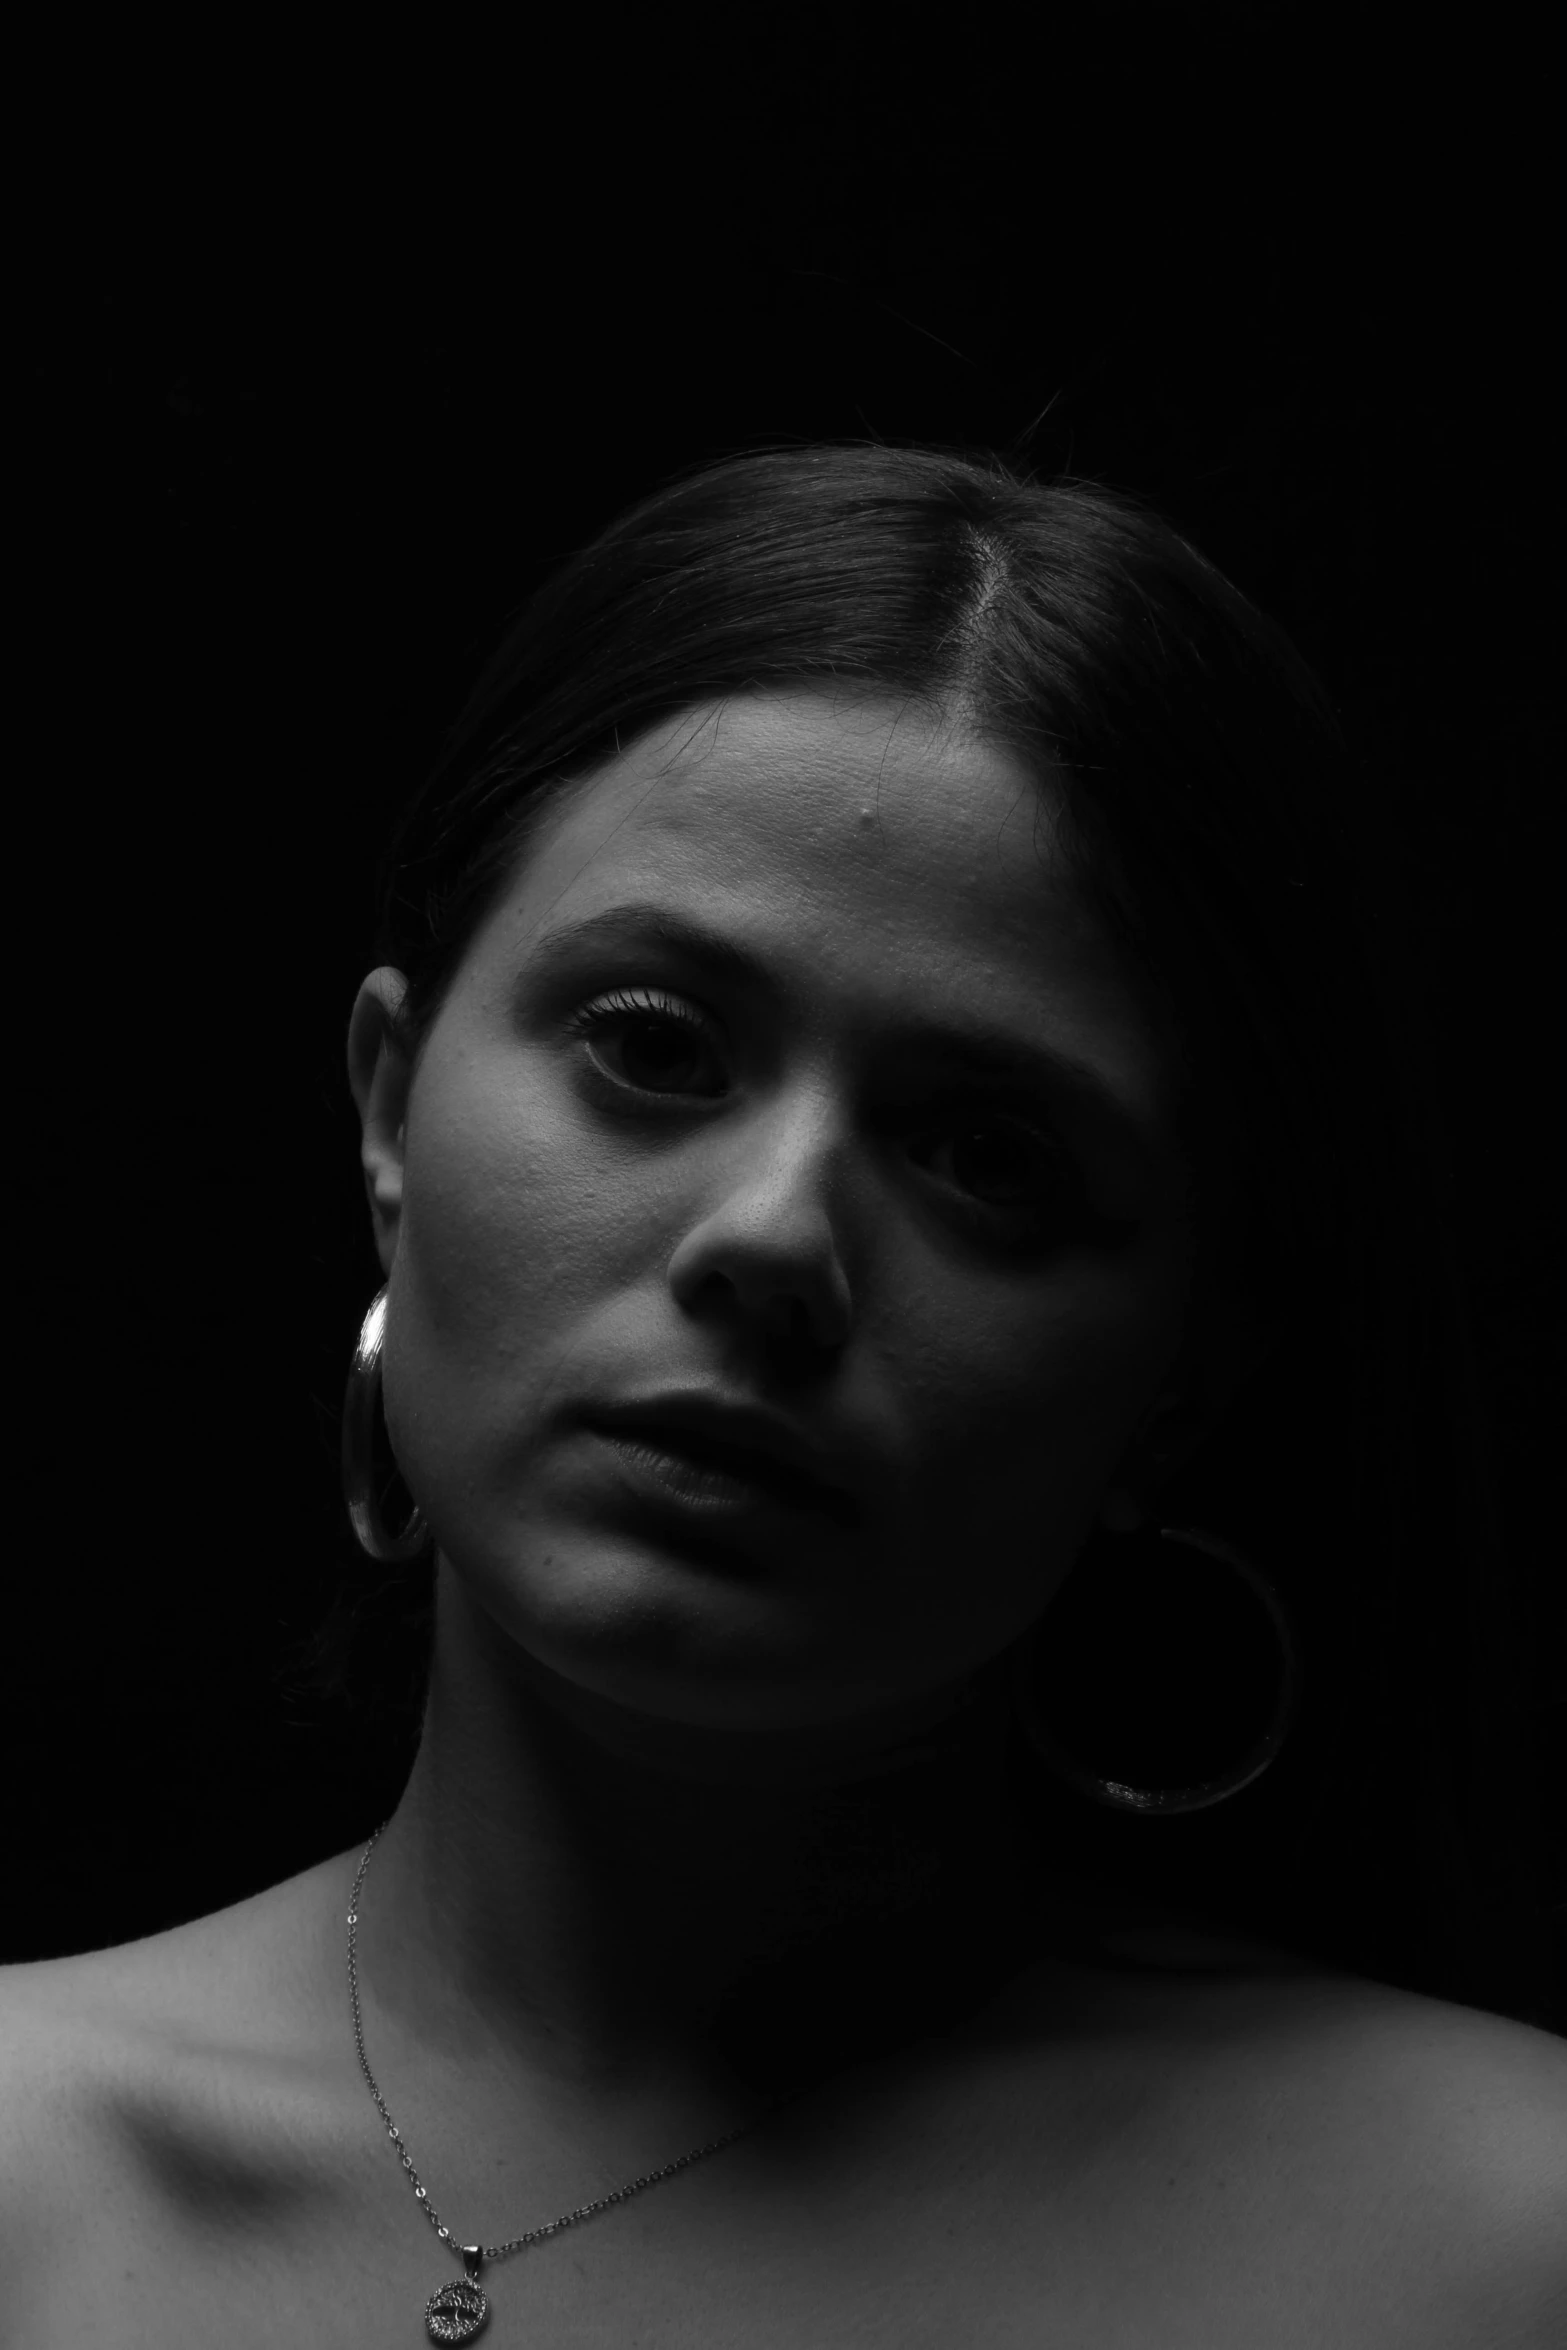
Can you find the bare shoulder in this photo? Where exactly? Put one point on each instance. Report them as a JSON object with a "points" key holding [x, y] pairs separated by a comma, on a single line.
{"points": [[1464, 2114], [82, 2036], [1454, 2087], [1483, 2103], [1382, 2159], [1434, 2134], [247, 1960], [154, 2095], [1231, 2132], [1469, 2094]]}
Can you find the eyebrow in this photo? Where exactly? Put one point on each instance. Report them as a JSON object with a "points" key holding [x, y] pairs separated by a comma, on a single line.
{"points": [[968, 1045]]}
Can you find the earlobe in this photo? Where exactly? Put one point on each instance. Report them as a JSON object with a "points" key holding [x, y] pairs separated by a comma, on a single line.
{"points": [[1130, 1500], [1173, 1430], [1185, 1417], [378, 1076]]}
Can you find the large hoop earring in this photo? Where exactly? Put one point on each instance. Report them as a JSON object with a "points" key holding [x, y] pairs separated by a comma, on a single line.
{"points": [[1217, 1788], [359, 1405]]}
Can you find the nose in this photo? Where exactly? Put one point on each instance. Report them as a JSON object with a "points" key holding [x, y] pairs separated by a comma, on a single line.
{"points": [[765, 1243]]}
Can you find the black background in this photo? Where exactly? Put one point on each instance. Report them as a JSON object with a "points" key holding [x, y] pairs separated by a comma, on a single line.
{"points": [[327, 363]]}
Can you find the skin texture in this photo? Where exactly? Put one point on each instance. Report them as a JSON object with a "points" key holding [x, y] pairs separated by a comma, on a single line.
{"points": [[692, 1829], [648, 1767]]}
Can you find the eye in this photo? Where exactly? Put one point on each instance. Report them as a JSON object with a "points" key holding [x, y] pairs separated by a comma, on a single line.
{"points": [[651, 1043], [999, 1163]]}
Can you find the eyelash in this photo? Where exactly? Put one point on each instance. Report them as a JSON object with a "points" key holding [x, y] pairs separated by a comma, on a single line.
{"points": [[640, 1003], [629, 1004]]}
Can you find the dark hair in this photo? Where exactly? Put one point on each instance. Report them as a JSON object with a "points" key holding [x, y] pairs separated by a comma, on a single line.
{"points": [[1221, 826]]}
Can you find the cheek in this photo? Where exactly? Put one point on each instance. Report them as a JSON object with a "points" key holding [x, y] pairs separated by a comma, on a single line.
{"points": [[511, 1225], [1021, 1404]]}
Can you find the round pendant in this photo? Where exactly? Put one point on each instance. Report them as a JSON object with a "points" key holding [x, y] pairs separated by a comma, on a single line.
{"points": [[457, 2312]]}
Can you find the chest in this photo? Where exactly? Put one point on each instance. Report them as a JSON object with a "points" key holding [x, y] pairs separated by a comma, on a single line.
{"points": [[995, 2224]]}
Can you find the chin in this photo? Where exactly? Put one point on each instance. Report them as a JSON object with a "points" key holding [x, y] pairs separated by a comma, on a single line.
{"points": [[678, 1637]]}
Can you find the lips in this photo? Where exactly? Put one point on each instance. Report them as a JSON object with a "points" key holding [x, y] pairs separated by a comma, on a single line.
{"points": [[763, 1455]]}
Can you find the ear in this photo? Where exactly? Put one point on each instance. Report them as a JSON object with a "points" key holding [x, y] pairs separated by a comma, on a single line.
{"points": [[1232, 1347], [380, 1076]]}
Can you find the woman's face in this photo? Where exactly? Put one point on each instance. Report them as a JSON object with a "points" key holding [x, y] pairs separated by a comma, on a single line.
{"points": [[789, 1076]]}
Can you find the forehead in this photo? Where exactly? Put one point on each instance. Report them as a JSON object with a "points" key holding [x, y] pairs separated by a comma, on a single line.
{"points": [[863, 847], [887, 805]]}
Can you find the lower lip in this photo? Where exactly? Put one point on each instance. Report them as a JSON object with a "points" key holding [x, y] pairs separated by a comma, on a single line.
{"points": [[666, 1475]]}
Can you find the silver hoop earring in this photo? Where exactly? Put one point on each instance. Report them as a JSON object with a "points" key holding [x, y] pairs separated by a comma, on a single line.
{"points": [[359, 1405], [1214, 1788]]}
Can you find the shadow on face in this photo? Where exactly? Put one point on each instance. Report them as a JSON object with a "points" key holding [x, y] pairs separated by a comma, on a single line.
{"points": [[788, 1080]]}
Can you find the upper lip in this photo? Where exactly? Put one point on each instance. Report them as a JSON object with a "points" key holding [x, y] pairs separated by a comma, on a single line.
{"points": [[748, 1436]]}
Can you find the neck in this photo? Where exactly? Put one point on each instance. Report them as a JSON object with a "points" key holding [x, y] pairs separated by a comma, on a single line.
{"points": [[569, 1886]]}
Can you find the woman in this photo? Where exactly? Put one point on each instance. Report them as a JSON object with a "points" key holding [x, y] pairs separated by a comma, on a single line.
{"points": [[874, 1102]]}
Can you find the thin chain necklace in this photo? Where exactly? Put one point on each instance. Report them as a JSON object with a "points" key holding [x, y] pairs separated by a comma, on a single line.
{"points": [[457, 2311]]}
